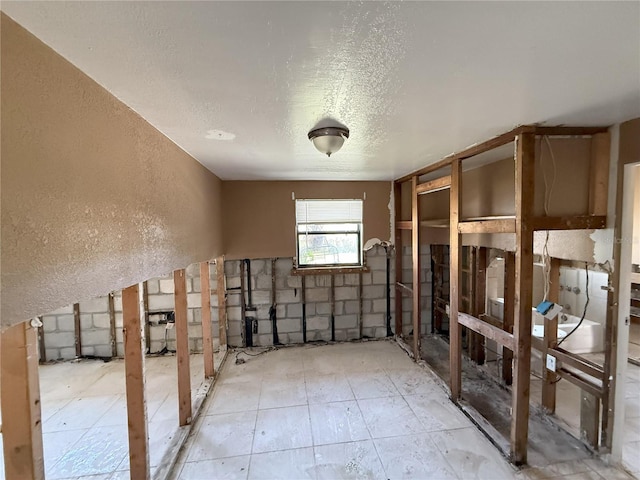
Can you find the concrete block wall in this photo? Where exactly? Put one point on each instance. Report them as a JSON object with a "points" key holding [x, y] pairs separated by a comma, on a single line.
{"points": [[425, 291], [95, 329]]}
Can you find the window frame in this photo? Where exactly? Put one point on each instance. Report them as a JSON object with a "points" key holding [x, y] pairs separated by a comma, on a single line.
{"points": [[358, 231]]}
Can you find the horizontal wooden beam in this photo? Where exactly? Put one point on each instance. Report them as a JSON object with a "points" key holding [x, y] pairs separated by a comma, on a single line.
{"points": [[585, 385], [434, 185], [505, 225], [571, 359], [403, 225], [483, 328], [562, 131], [404, 289], [578, 222], [328, 270], [492, 321], [445, 162]]}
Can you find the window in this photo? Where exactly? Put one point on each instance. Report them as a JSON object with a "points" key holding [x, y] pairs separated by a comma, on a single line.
{"points": [[329, 233]]}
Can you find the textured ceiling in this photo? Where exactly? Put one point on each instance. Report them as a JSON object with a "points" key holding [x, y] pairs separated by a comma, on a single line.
{"points": [[239, 84]]}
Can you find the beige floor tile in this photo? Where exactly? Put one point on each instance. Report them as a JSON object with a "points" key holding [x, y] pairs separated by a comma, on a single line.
{"points": [[337, 422], [282, 429], [233, 468], [389, 417], [327, 388], [278, 392], [220, 436], [296, 464], [234, 397], [354, 460], [372, 385]]}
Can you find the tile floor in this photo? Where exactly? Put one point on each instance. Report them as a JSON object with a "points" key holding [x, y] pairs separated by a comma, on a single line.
{"points": [[344, 411], [85, 419]]}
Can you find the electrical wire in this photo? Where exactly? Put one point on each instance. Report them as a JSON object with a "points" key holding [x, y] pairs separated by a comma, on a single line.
{"points": [[586, 304], [548, 190]]}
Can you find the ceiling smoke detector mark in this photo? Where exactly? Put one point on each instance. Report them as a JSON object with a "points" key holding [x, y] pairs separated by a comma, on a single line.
{"points": [[219, 135]]}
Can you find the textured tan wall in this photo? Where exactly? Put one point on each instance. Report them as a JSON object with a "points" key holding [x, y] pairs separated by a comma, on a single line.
{"points": [[93, 197], [259, 219]]}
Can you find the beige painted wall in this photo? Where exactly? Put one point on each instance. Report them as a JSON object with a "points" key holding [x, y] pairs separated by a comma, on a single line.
{"points": [[259, 220], [93, 197]]}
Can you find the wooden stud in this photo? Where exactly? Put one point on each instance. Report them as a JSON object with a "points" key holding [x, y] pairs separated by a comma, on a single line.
{"points": [[182, 347], [576, 222], [549, 378], [436, 185], [42, 348], [455, 277], [397, 199], [486, 329], [502, 225], [134, 363], [479, 306], [112, 325], [415, 255], [207, 333], [425, 170], [21, 416], [509, 296], [404, 225], [76, 329], [525, 162], [147, 325], [599, 173], [222, 303]]}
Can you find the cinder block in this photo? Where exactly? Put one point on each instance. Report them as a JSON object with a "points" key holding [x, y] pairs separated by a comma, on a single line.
{"points": [[119, 320], [281, 311], [161, 302], [341, 335], [284, 266], [338, 308], [321, 308], [322, 280], [67, 353], [117, 303], [317, 323], [94, 305], [233, 299], [379, 277], [194, 300], [235, 328], [258, 266], [264, 326], [367, 278], [352, 279], [196, 284], [166, 286], [233, 282], [380, 332], [288, 325], [234, 313], [263, 282], [294, 281], [338, 280], [261, 297], [101, 320], [234, 341], [49, 323], [380, 305], [66, 323], [320, 335], [367, 306], [318, 294], [52, 354], [193, 270], [346, 293], [373, 320], [153, 286], [294, 310], [295, 337], [373, 291], [197, 315], [88, 350], [60, 340], [368, 332], [351, 306], [95, 337], [102, 350], [347, 321], [265, 340], [376, 262], [288, 296]]}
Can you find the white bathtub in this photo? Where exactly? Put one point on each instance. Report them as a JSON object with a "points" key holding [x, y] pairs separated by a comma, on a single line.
{"points": [[588, 338]]}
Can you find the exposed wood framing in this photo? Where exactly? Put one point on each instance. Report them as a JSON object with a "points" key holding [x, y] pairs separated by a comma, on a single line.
{"points": [[525, 174], [112, 325], [21, 416], [589, 418], [581, 382], [434, 185], [404, 225], [578, 222], [486, 329], [405, 289], [397, 208], [479, 304], [599, 173], [425, 170], [222, 302], [328, 270], [147, 325], [42, 347], [415, 257], [207, 328], [77, 329], [509, 293], [503, 225], [182, 347], [134, 363], [455, 277], [549, 378]]}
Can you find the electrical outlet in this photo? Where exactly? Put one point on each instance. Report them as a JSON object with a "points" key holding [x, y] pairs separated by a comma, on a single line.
{"points": [[551, 363]]}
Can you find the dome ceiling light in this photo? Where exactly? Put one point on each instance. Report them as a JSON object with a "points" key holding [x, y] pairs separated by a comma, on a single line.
{"points": [[328, 140]]}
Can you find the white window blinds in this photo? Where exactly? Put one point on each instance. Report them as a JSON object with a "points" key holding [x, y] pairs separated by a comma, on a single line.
{"points": [[328, 211]]}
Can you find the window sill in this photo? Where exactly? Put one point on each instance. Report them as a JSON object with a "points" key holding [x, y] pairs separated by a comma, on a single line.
{"points": [[327, 270]]}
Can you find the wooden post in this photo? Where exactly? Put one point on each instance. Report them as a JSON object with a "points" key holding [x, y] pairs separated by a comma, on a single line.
{"points": [[182, 347], [112, 325], [480, 285], [550, 341], [147, 325], [134, 363], [397, 204], [599, 173], [21, 417], [77, 331], [455, 335], [207, 334], [222, 302], [507, 316], [525, 173], [415, 256], [42, 348]]}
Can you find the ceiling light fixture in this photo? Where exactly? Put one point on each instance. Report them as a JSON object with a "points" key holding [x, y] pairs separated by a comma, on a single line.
{"points": [[328, 140]]}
